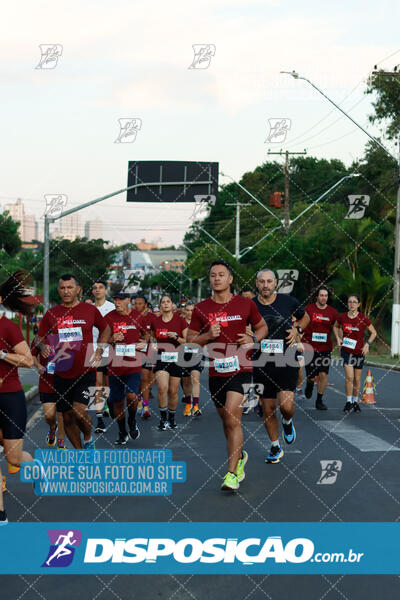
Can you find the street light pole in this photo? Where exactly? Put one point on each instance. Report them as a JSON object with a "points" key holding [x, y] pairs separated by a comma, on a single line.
{"points": [[395, 337], [237, 236]]}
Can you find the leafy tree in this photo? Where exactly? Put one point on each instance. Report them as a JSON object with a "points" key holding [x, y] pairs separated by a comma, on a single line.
{"points": [[9, 236]]}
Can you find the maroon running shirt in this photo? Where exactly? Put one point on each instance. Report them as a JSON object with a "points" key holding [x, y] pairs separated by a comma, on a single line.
{"points": [[318, 331], [70, 331], [124, 357], [160, 328], [10, 336], [233, 316], [353, 332]]}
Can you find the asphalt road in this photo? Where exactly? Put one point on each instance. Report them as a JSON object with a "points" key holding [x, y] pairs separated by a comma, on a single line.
{"points": [[367, 488]]}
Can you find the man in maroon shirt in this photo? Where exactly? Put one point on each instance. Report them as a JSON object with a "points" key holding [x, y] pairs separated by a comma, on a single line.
{"points": [[69, 329], [220, 322], [317, 335]]}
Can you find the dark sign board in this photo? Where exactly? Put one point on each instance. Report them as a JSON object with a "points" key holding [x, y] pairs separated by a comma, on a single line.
{"points": [[171, 181]]}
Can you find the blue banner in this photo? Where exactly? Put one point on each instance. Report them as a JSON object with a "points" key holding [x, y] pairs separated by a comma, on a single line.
{"points": [[200, 548]]}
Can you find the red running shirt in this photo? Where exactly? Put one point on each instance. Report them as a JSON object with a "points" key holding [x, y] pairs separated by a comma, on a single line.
{"points": [[226, 354], [353, 332], [124, 358], [70, 331], [318, 331], [160, 328], [10, 336]]}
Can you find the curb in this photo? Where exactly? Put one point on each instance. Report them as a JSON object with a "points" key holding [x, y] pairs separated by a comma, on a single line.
{"points": [[31, 393], [382, 365]]}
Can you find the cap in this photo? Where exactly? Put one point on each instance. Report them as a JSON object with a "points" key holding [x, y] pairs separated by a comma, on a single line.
{"points": [[121, 294]]}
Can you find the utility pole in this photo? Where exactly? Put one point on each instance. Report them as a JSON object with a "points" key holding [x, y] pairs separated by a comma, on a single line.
{"points": [[287, 197], [237, 237]]}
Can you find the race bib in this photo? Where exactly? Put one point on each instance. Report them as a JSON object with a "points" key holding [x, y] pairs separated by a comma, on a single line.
{"points": [[191, 350], [169, 356], [226, 365], [50, 368], [70, 334], [349, 343], [275, 346], [319, 337], [125, 350]]}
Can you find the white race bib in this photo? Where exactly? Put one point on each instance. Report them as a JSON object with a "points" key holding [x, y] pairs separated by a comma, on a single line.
{"points": [[169, 356], [226, 365], [319, 337], [191, 350], [275, 346], [70, 334], [349, 343], [125, 350]]}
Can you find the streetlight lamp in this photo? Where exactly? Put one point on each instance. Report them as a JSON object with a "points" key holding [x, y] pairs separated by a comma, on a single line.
{"points": [[395, 337]]}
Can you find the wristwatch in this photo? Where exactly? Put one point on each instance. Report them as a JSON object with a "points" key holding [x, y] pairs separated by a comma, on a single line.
{"points": [[255, 340], [299, 329], [3, 354]]}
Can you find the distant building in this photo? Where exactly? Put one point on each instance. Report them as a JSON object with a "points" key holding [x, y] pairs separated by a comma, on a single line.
{"points": [[69, 228], [94, 229], [27, 229], [143, 245], [155, 261]]}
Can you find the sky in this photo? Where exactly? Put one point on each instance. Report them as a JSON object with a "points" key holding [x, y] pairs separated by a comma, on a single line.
{"points": [[131, 59]]}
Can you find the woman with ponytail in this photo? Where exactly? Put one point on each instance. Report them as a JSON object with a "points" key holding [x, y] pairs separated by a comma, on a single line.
{"points": [[14, 353]]}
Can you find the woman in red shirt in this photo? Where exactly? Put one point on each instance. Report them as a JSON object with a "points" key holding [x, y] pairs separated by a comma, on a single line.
{"points": [[349, 331], [14, 353], [170, 331]]}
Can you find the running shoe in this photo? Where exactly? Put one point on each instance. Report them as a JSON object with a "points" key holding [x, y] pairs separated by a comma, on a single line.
{"points": [[320, 405], [13, 469], [146, 413], [288, 432], [139, 408], [3, 485], [240, 466], [188, 410], [300, 394], [134, 432], [348, 407], [89, 445], [51, 438], [61, 444], [172, 425], [309, 389], [356, 407], [275, 455], [122, 440], [163, 425], [196, 412], [3, 517], [101, 426], [230, 482]]}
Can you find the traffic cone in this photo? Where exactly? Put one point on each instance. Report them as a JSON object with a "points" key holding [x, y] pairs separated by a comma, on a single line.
{"points": [[369, 388]]}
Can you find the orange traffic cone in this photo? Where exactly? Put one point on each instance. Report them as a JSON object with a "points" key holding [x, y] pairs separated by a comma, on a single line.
{"points": [[369, 388]]}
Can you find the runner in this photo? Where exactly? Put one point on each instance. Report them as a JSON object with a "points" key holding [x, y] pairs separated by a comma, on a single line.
{"points": [[14, 353], [48, 398], [317, 337], [170, 331], [278, 371], [99, 291], [247, 292], [220, 321], [68, 327], [193, 355], [147, 379], [349, 331], [125, 364]]}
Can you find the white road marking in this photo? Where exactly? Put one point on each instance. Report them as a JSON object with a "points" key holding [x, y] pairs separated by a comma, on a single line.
{"points": [[357, 437]]}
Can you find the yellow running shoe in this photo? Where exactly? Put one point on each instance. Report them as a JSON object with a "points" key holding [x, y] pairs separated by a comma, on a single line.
{"points": [[4, 487], [240, 466], [230, 482], [196, 411], [12, 469], [188, 410]]}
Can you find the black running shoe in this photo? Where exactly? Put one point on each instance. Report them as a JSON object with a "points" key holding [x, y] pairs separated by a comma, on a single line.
{"points": [[356, 407], [3, 517], [122, 440], [172, 425], [163, 425], [309, 389], [101, 426], [348, 407], [134, 431], [320, 405]]}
